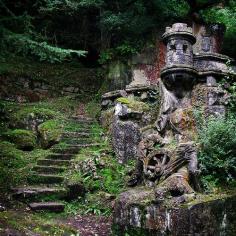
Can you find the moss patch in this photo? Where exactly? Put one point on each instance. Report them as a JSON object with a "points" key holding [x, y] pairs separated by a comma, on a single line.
{"points": [[15, 164], [134, 105], [50, 132], [24, 139], [33, 224]]}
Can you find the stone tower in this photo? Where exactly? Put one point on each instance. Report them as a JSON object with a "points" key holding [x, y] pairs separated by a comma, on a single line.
{"points": [[179, 40]]}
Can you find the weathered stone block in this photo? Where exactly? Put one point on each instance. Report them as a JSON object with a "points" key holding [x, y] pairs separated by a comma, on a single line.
{"points": [[125, 138], [136, 213]]}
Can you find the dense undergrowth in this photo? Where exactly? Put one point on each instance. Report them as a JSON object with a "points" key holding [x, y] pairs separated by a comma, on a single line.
{"points": [[217, 152]]}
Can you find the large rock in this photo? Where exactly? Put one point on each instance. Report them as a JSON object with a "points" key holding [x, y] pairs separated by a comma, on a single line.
{"points": [[23, 139], [125, 138], [136, 213], [50, 133]]}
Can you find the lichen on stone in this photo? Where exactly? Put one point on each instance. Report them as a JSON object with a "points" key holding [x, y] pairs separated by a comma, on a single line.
{"points": [[134, 105]]}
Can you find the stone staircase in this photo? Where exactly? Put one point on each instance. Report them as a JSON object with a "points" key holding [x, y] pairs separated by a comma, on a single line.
{"points": [[46, 181]]}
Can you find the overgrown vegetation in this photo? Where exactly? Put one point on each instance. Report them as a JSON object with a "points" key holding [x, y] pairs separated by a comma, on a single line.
{"points": [[26, 130], [24, 139], [102, 176], [45, 29], [21, 223], [217, 155], [15, 165]]}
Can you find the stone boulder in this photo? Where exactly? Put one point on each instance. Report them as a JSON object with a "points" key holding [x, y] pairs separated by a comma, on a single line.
{"points": [[50, 133], [23, 139]]}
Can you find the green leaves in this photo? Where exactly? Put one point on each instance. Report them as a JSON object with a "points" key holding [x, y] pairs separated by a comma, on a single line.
{"points": [[217, 157], [226, 15], [23, 44]]}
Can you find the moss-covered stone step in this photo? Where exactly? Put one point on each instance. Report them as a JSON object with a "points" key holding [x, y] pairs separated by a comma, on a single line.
{"points": [[65, 150], [82, 119], [48, 169], [60, 156], [36, 192], [84, 145], [52, 162], [77, 140], [73, 148], [78, 130], [47, 206], [76, 135], [45, 178]]}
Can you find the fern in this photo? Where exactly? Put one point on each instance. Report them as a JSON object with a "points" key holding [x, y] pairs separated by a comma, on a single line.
{"points": [[22, 44]]}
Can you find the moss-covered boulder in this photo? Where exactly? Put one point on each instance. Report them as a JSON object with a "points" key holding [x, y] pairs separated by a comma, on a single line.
{"points": [[23, 139], [29, 117], [12, 164], [50, 132]]}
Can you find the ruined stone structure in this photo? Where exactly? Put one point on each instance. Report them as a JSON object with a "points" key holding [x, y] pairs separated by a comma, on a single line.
{"points": [[167, 154]]}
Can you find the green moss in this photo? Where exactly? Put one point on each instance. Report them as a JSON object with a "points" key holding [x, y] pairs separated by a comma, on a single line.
{"points": [[32, 224], [15, 164], [134, 105], [57, 75], [12, 164], [34, 112], [24, 139], [50, 132], [93, 109]]}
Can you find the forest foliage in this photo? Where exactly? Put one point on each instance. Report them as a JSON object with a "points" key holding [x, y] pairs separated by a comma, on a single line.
{"points": [[58, 30]]}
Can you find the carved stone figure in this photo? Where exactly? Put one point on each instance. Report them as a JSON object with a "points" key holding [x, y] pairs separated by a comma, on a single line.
{"points": [[167, 158], [167, 165]]}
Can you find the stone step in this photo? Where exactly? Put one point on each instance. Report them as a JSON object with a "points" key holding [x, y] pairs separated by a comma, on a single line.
{"points": [[78, 130], [30, 192], [79, 146], [65, 150], [73, 148], [82, 119], [48, 169], [60, 156], [46, 179], [52, 162], [76, 141], [76, 135], [47, 206]]}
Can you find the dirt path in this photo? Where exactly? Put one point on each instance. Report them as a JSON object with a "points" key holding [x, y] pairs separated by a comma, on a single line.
{"points": [[90, 225]]}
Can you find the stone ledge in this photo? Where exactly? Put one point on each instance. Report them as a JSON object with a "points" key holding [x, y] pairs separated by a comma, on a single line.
{"points": [[136, 213]]}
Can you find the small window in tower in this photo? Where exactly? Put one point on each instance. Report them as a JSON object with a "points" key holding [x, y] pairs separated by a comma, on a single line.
{"points": [[172, 47], [185, 47]]}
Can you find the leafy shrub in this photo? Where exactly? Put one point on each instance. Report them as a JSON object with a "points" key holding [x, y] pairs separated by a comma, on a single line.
{"points": [[24, 139], [217, 156]]}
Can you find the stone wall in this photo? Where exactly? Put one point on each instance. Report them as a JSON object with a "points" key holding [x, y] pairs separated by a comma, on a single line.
{"points": [[23, 87], [136, 213]]}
